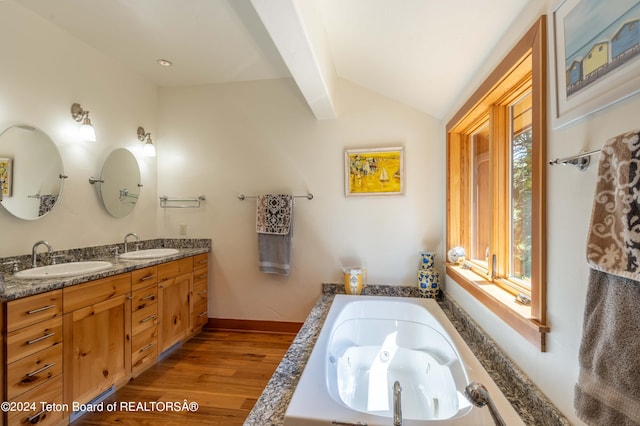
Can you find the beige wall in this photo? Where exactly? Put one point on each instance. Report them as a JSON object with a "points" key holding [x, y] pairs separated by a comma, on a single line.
{"points": [[42, 72], [260, 137]]}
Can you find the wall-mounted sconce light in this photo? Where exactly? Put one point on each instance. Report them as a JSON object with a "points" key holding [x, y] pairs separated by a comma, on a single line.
{"points": [[87, 132], [148, 149]]}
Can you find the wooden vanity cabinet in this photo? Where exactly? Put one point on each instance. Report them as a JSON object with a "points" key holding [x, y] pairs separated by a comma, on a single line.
{"points": [[97, 337], [200, 292], [32, 330], [174, 283], [71, 345], [144, 319]]}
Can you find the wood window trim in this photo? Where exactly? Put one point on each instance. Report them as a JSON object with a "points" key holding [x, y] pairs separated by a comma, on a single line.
{"points": [[529, 55], [489, 294]]}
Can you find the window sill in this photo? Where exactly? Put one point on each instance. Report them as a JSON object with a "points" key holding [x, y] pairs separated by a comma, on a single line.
{"points": [[502, 304]]}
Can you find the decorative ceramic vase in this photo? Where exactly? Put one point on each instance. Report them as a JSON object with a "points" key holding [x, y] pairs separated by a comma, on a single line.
{"points": [[428, 276]]}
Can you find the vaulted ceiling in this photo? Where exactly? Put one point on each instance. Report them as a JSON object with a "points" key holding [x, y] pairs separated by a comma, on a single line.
{"points": [[419, 52]]}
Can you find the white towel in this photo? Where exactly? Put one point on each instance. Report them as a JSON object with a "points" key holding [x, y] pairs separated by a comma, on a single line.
{"points": [[274, 225]]}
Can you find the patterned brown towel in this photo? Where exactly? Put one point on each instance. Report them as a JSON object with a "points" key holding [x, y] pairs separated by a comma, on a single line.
{"points": [[613, 244], [273, 214], [46, 204], [608, 388]]}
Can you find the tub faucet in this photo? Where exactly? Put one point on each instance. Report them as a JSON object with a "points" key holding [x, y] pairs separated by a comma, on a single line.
{"points": [[479, 396], [130, 234], [397, 406], [34, 251]]}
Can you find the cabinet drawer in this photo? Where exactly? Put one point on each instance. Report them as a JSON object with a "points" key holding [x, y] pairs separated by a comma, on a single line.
{"points": [[144, 277], [93, 292], [148, 359], [201, 268], [173, 269], [29, 372], [200, 260], [143, 345], [199, 316], [144, 298], [200, 294], [29, 340], [39, 397], [144, 318], [33, 309], [201, 276]]}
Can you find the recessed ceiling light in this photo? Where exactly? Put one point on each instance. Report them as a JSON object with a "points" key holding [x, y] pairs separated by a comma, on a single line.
{"points": [[164, 62]]}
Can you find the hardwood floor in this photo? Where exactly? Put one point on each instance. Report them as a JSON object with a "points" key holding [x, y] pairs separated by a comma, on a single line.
{"points": [[224, 372]]}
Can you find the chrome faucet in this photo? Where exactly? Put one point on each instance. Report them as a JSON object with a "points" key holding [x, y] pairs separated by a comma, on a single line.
{"points": [[34, 253], [130, 234], [397, 406], [479, 396]]}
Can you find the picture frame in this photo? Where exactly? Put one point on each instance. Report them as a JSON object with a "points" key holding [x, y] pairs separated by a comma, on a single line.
{"points": [[374, 171], [6, 181], [595, 59]]}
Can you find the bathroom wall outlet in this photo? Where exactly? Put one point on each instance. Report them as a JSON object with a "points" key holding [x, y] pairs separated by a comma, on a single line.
{"points": [[183, 229]]}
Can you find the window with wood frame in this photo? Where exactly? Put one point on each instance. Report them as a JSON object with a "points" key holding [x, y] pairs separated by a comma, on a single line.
{"points": [[496, 189]]}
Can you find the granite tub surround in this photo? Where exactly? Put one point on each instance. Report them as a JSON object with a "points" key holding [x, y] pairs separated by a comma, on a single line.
{"points": [[532, 406], [14, 288], [374, 290]]}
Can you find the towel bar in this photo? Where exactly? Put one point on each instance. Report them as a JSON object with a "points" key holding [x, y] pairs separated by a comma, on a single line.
{"points": [[193, 202], [581, 161], [243, 197]]}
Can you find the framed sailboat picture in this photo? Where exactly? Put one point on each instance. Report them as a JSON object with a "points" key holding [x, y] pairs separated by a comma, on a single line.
{"points": [[376, 171]]}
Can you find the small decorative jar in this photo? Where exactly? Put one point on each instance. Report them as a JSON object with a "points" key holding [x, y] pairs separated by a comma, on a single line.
{"points": [[428, 276], [456, 255]]}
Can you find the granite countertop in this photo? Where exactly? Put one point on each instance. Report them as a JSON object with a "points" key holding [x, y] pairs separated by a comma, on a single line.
{"points": [[532, 406], [15, 288]]}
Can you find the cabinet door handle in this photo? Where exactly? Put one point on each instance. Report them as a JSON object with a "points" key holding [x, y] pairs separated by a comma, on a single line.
{"points": [[147, 347], [147, 277], [37, 339], [40, 370], [149, 297], [203, 276], [44, 308], [149, 318], [202, 314], [35, 418], [202, 293], [203, 261]]}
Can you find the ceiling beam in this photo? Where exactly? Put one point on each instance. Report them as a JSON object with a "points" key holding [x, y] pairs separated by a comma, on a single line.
{"points": [[299, 37]]}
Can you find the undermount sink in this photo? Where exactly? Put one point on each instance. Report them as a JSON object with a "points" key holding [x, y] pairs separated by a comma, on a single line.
{"points": [[64, 270], [149, 254]]}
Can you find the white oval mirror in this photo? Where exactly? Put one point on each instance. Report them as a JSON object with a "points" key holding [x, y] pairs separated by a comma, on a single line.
{"points": [[120, 183], [31, 172]]}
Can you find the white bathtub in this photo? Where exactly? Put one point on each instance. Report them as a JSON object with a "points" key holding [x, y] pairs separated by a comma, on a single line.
{"points": [[369, 342]]}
